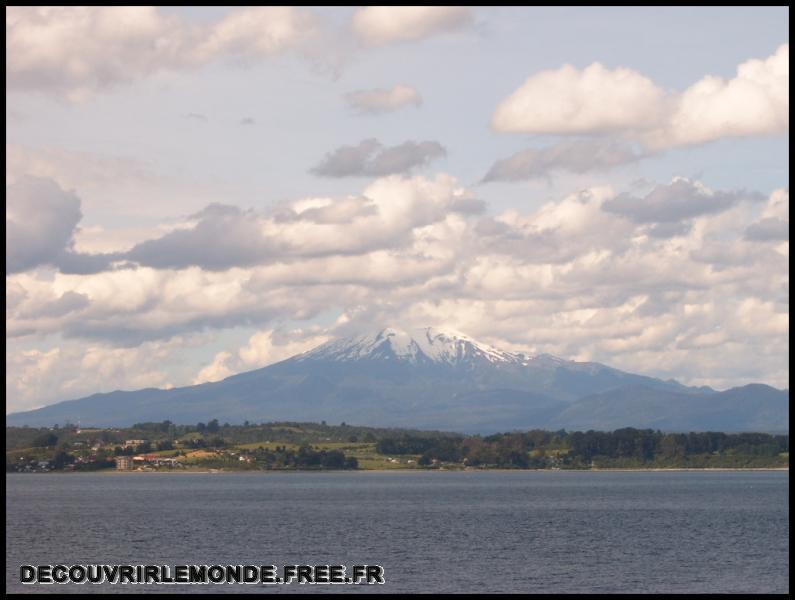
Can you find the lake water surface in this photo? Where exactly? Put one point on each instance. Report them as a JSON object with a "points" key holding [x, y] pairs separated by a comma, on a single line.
{"points": [[530, 531]]}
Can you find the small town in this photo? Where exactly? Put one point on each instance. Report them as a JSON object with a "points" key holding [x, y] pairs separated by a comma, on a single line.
{"points": [[167, 447]]}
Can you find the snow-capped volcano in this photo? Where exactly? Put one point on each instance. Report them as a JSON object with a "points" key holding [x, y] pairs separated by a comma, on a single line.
{"points": [[426, 345], [439, 379]]}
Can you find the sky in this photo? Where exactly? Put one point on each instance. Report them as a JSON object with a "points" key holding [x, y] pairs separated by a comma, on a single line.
{"points": [[197, 192]]}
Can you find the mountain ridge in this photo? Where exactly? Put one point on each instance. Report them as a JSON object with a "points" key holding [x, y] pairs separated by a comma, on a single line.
{"points": [[431, 378]]}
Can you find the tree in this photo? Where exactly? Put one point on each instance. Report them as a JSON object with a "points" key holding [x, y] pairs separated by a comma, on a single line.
{"points": [[61, 459], [217, 442], [212, 426], [333, 459], [45, 440]]}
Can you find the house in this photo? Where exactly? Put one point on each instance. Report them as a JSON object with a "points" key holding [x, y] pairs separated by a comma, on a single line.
{"points": [[153, 460], [132, 443], [124, 463]]}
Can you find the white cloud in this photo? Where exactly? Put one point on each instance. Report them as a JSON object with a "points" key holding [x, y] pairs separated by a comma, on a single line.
{"points": [[773, 226], [754, 102], [777, 205], [217, 370], [78, 51], [381, 25], [598, 100], [380, 100], [249, 33], [224, 237], [263, 348], [594, 100], [571, 278], [73, 370]]}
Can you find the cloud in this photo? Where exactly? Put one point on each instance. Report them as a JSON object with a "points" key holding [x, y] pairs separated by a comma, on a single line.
{"points": [[345, 210], [263, 348], [594, 100], [754, 102], [371, 159], [597, 100], [669, 229], [557, 233], [377, 101], [78, 51], [777, 205], [41, 222], [76, 369], [382, 25], [680, 200], [250, 33], [128, 198], [577, 156], [668, 284], [387, 215], [217, 370], [223, 236], [41, 218], [773, 226], [68, 302], [769, 229], [247, 121]]}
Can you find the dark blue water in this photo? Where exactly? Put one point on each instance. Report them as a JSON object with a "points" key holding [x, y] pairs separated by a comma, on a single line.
{"points": [[431, 531]]}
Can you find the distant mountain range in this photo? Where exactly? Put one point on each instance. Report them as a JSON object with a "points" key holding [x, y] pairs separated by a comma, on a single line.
{"points": [[431, 379]]}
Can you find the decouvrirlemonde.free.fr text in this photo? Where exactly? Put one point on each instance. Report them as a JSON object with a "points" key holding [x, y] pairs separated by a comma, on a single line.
{"points": [[201, 574]]}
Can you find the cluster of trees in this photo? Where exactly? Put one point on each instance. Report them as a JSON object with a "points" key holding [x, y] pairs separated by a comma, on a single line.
{"points": [[510, 450], [202, 435], [304, 458], [284, 458], [627, 447], [648, 445]]}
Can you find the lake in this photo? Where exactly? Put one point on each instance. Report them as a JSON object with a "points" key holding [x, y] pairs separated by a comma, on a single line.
{"points": [[514, 531]]}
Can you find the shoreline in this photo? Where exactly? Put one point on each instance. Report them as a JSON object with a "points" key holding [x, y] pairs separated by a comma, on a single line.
{"points": [[267, 472]]}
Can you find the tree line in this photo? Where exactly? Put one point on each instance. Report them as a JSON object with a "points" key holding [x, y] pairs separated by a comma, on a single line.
{"points": [[622, 447]]}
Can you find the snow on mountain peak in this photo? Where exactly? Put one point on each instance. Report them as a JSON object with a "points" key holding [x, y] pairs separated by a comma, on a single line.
{"points": [[416, 345]]}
